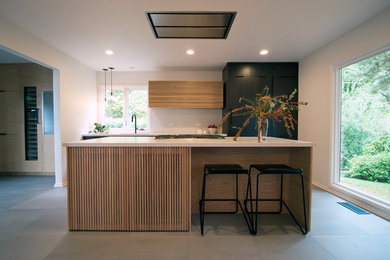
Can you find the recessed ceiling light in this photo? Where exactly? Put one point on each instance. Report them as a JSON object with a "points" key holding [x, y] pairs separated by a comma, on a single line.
{"points": [[109, 52], [264, 52], [190, 52]]}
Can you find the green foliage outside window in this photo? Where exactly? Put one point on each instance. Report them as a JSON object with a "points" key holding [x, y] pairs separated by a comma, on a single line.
{"points": [[114, 108], [374, 163], [365, 123], [138, 104]]}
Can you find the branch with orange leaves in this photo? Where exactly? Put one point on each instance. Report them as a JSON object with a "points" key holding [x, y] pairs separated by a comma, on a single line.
{"points": [[234, 111]]}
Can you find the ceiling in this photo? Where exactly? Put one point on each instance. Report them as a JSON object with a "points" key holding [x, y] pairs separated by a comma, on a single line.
{"points": [[84, 29]]}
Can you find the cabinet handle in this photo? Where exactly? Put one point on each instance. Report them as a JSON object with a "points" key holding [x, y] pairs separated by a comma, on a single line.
{"points": [[3, 134]]}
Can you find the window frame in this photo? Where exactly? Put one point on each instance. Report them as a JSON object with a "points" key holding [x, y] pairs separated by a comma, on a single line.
{"points": [[127, 126], [361, 198]]}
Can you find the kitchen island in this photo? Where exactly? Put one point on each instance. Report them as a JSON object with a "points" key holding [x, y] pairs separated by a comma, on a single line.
{"points": [[148, 184]]}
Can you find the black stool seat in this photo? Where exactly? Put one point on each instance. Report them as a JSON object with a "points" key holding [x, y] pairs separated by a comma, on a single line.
{"points": [[221, 169], [225, 169], [276, 169], [279, 169]]}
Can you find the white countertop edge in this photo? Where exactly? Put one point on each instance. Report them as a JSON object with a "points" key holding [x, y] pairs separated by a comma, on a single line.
{"points": [[151, 142], [139, 134]]}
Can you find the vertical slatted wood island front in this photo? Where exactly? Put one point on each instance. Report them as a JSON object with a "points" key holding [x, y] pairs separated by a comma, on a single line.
{"points": [[143, 184], [129, 188]]}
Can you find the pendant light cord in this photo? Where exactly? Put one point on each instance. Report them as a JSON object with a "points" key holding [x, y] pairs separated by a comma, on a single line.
{"points": [[111, 69], [105, 84]]}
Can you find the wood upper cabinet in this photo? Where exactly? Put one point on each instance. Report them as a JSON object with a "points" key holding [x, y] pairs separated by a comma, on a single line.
{"points": [[186, 94]]}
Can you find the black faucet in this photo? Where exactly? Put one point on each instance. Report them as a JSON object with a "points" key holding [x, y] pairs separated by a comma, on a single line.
{"points": [[134, 118]]}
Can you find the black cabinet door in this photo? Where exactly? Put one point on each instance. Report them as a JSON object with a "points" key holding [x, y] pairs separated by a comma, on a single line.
{"points": [[284, 86], [246, 87], [243, 87], [249, 79], [239, 70], [262, 69], [285, 69]]}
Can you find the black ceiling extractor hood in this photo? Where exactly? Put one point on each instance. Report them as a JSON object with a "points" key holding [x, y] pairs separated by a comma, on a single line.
{"points": [[191, 25]]}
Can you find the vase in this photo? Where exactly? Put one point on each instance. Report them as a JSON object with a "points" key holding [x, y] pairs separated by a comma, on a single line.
{"points": [[262, 130]]}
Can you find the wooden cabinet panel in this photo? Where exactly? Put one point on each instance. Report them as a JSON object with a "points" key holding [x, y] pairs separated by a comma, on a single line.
{"points": [[186, 94]]}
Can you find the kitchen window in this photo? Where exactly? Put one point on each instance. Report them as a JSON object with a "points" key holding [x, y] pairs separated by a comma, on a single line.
{"points": [[121, 103]]}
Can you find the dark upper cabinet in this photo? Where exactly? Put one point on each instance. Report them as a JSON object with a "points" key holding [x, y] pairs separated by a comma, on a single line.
{"points": [[285, 69], [247, 80], [284, 86], [239, 70], [236, 88], [262, 70]]}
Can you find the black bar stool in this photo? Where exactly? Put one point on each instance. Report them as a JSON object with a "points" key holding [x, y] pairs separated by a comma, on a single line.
{"points": [[274, 169], [221, 169]]}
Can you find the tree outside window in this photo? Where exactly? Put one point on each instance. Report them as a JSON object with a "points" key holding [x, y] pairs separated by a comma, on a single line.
{"points": [[122, 104], [365, 125], [113, 111]]}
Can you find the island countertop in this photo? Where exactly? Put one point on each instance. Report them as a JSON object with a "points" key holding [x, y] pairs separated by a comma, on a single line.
{"points": [[188, 142]]}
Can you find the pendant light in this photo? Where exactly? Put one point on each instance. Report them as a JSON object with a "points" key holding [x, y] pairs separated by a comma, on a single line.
{"points": [[105, 84], [111, 69]]}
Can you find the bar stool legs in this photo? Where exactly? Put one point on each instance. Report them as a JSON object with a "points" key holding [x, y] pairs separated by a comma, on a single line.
{"points": [[202, 202], [281, 172]]}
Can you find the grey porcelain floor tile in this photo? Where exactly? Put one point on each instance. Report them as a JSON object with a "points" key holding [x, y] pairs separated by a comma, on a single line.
{"points": [[292, 247], [14, 220], [216, 224], [334, 227], [47, 200], [53, 220], [149, 246], [355, 247], [371, 225], [34, 226], [30, 245]]}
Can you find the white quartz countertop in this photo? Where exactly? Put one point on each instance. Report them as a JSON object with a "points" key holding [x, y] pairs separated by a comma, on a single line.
{"points": [[139, 133], [188, 142]]}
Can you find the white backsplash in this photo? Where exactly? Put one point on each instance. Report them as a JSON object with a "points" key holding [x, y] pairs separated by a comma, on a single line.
{"points": [[183, 120]]}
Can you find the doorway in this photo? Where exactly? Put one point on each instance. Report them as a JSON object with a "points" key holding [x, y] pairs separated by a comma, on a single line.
{"points": [[27, 136]]}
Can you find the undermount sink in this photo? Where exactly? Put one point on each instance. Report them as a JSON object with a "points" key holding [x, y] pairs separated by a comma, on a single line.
{"points": [[183, 136]]}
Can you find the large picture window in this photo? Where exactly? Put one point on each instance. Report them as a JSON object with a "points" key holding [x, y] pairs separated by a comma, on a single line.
{"points": [[364, 127], [121, 104]]}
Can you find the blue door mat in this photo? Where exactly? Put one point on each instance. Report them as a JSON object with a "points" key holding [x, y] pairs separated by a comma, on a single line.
{"points": [[354, 208]]}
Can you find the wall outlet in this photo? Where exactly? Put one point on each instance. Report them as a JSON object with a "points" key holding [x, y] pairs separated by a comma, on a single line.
{"points": [[198, 124], [171, 124]]}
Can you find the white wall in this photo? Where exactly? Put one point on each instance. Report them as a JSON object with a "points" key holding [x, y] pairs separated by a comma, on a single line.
{"points": [[77, 84], [315, 86], [171, 119]]}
